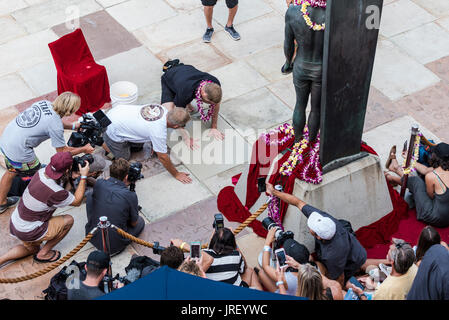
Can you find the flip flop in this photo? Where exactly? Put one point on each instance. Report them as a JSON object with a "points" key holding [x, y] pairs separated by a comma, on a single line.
{"points": [[56, 254], [391, 156]]}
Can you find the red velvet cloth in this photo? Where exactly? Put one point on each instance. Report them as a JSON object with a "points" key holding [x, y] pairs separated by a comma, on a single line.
{"points": [[78, 72], [375, 238]]}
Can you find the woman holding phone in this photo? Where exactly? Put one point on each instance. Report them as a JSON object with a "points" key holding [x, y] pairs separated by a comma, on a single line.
{"points": [[293, 251], [223, 261]]}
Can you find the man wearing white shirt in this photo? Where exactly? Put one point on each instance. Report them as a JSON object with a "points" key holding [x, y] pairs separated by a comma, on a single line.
{"points": [[136, 124]]}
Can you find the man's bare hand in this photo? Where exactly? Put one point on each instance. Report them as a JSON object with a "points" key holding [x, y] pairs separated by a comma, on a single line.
{"points": [[88, 148], [192, 143], [270, 189], [183, 177], [217, 134], [84, 171]]}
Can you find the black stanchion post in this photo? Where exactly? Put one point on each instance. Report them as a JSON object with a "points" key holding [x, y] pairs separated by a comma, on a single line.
{"points": [[104, 225]]}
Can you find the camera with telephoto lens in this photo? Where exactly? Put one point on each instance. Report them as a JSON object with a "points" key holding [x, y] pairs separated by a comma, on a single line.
{"points": [[90, 131], [218, 222], [81, 161], [280, 236]]}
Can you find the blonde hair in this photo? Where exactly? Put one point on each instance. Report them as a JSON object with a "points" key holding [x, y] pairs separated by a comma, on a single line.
{"points": [[214, 92], [66, 104], [310, 283], [190, 267], [178, 117]]}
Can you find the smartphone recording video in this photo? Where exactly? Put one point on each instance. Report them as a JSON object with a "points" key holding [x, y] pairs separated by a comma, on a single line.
{"points": [[280, 256], [195, 250]]}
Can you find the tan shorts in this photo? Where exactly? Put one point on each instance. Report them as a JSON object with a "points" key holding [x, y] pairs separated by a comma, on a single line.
{"points": [[55, 228]]}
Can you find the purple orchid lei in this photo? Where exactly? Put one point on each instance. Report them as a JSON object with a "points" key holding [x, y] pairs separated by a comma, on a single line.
{"points": [[199, 103]]}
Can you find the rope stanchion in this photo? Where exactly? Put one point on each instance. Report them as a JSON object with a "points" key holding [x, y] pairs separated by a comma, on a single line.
{"points": [[204, 246], [55, 264], [251, 219]]}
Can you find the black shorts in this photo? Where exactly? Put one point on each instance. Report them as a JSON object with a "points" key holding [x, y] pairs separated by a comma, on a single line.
{"points": [[167, 94], [229, 3]]}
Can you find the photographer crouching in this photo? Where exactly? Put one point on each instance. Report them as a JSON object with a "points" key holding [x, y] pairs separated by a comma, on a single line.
{"points": [[41, 121], [32, 221], [112, 197]]}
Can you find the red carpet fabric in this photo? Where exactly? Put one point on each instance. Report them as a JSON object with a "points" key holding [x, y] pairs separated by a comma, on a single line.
{"points": [[376, 238], [78, 72]]}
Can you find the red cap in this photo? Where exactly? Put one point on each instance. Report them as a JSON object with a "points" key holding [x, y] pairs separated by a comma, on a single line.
{"points": [[58, 165]]}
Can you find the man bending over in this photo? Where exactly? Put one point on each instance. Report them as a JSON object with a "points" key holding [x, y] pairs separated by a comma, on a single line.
{"points": [[133, 124], [184, 86]]}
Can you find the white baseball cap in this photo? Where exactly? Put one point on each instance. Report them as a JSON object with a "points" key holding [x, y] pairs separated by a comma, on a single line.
{"points": [[324, 227]]}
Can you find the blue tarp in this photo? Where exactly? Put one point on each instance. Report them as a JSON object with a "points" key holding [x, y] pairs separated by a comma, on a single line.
{"points": [[169, 284]]}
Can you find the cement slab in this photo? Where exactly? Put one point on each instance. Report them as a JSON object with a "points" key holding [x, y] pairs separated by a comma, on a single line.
{"points": [[137, 14], [213, 156], [156, 194], [238, 78], [13, 90], [255, 112], [396, 80]]}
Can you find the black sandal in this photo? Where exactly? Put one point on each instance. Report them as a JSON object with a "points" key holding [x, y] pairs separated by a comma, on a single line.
{"points": [[56, 254]]}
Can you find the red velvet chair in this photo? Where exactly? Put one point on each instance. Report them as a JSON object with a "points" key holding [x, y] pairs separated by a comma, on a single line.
{"points": [[78, 72]]}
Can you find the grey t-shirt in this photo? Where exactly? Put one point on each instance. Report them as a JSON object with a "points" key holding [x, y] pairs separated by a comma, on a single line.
{"points": [[30, 128], [84, 293]]}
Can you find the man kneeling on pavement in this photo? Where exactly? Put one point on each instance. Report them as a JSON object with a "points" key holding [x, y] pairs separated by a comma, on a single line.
{"points": [[113, 199]]}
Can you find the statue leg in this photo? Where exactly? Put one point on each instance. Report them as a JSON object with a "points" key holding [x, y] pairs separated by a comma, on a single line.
{"points": [[302, 88], [315, 112]]}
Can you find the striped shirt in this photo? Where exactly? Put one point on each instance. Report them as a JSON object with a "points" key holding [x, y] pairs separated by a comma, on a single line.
{"points": [[226, 268], [29, 221]]}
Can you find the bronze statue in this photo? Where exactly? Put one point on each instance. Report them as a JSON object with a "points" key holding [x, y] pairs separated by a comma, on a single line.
{"points": [[307, 64]]}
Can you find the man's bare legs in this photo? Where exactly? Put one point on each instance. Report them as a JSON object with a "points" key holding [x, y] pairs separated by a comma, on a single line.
{"points": [[18, 252], [208, 14], [5, 185], [231, 16]]}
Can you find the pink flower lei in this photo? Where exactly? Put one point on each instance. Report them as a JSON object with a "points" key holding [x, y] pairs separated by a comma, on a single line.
{"points": [[313, 3], [274, 211], [285, 129], [199, 102], [314, 160]]}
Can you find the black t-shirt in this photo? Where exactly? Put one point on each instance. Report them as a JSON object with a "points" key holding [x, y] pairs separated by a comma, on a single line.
{"points": [[179, 84], [432, 280], [341, 254], [113, 199], [84, 293]]}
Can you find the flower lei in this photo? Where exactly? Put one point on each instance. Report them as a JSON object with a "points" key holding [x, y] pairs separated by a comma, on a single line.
{"points": [[296, 155], [285, 129], [415, 156], [274, 210], [199, 103], [314, 160], [305, 14]]}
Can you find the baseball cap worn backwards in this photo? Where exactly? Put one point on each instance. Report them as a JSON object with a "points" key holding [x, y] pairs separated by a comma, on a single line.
{"points": [[297, 251], [324, 227], [442, 151]]}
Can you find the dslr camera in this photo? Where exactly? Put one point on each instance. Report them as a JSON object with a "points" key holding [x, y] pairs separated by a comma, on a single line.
{"points": [[280, 236], [134, 174], [81, 161], [90, 131], [218, 222]]}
